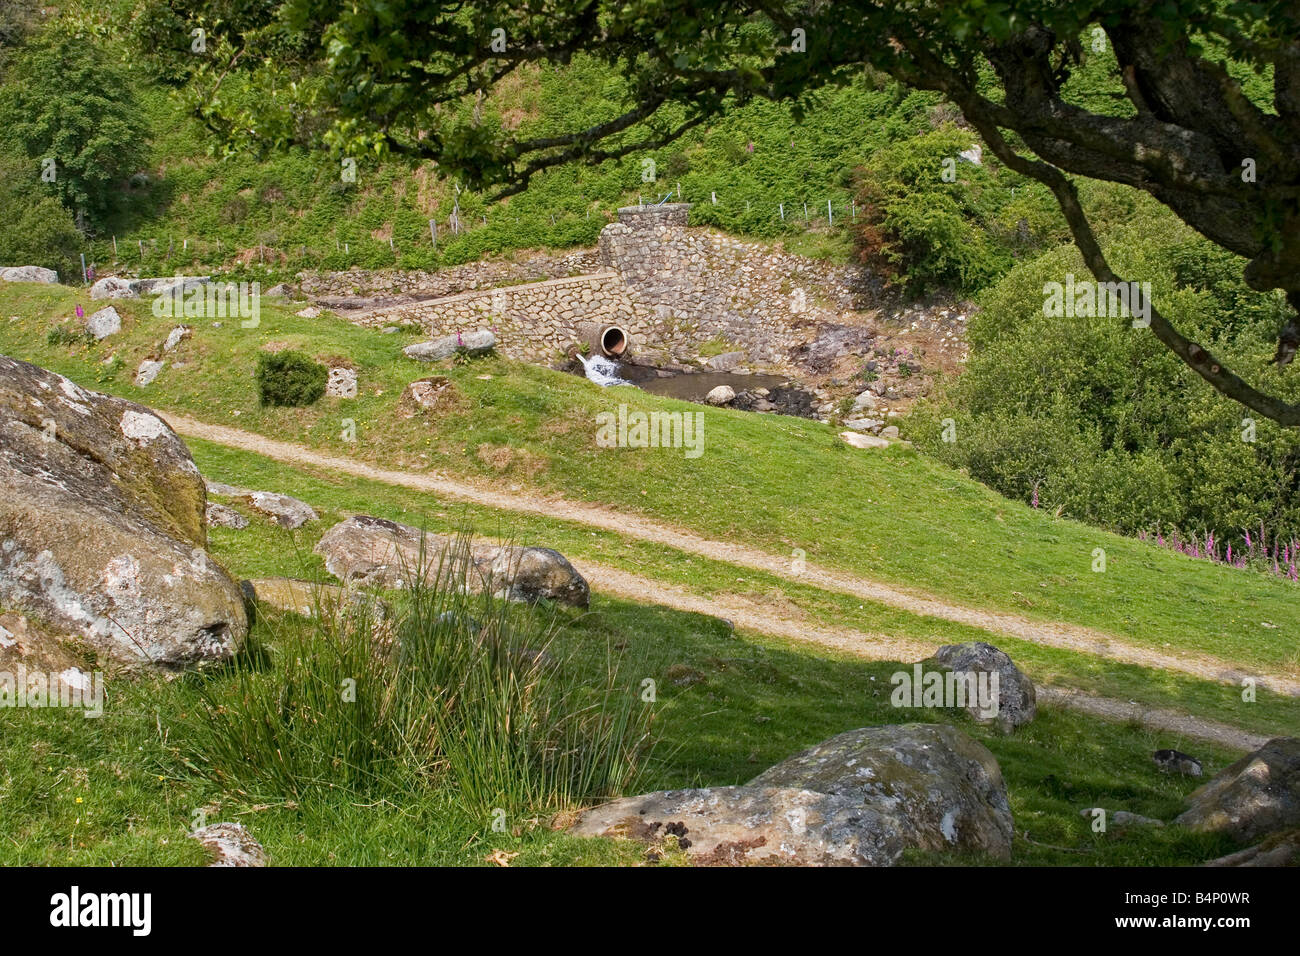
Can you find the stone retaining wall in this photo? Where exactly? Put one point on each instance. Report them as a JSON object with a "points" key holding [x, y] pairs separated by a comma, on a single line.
{"points": [[673, 288]]}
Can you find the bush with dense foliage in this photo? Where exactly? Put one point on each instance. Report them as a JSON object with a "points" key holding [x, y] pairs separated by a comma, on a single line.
{"points": [[1097, 420], [290, 378]]}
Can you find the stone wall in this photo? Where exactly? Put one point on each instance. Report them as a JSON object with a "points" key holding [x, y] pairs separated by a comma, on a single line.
{"points": [[673, 288]]}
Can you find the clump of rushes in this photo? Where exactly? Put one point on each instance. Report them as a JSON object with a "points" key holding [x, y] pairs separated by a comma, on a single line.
{"points": [[434, 687]]}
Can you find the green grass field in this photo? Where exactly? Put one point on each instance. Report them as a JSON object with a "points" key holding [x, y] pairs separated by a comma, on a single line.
{"points": [[124, 789]]}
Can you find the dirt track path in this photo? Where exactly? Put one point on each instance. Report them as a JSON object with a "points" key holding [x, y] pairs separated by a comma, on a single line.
{"points": [[1051, 634]]}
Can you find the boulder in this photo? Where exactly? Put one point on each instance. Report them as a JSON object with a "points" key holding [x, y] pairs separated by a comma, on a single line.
{"points": [[858, 440], [311, 312], [230, 845], [889, 431], [279, 291], [726, 361], [375, 551], [866, 401], [858, 799], [104, 323], [147, 372], [720, 395], [1016, 700], [1256, 796], [223, 516], [288, 512], [113, 287], [29, 274], [475, 343], [863, 424], [79, 468], [342, 383]]}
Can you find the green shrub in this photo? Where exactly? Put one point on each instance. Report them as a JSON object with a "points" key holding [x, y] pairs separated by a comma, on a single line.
{"points": [[67, 335], [1101, 420], [290, 378]]}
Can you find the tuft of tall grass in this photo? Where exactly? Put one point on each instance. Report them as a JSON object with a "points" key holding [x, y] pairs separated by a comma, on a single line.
{"points": [[443, 685]]}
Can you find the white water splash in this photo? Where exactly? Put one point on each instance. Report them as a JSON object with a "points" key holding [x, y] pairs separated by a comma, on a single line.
{"points": [[602, 371]]}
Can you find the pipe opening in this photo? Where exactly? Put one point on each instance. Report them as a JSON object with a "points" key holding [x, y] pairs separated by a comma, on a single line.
{"points": [[613, 341]]}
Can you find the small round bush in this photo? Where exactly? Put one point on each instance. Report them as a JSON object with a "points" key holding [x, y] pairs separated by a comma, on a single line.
{"points": [[290, 378]]}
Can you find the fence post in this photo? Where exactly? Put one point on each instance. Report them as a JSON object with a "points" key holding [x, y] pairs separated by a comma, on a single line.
{"points": [[830, 213]]}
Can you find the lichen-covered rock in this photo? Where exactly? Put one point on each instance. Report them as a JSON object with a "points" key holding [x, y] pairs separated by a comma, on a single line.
{"points": [[230, 845], [860, 798], [375, 551], [102, 535], [1016, 700], [29, 274], [1256, 796]]}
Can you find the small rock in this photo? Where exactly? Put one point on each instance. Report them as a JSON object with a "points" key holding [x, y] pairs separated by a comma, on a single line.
{"points": [[279, 291], [311, 312], [866, 401], [720, 395], [858, 440], [342, 383], [1178, 762], [889, 431], [147, 372], [223, 516], [104, 323], [863, 424], [288, 512], [231, 845], [176, 336], [425, 393], [1122, 818]]}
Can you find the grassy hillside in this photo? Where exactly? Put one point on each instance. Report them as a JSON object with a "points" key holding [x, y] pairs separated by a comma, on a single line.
{"points": [[776, 483]]}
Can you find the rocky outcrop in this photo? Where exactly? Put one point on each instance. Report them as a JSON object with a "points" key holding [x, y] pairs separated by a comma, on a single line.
{"points": [[1256, 796], [102, 535], [859, 799], [1016, 700], [375, 551], [29, 274]]}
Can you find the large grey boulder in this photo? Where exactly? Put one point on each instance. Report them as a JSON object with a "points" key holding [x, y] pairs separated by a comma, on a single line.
{"points": [[1256, 796], [102, 534], [375, 551], [479, 342], [29, 274], [1016, 701], [859, 799]]}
